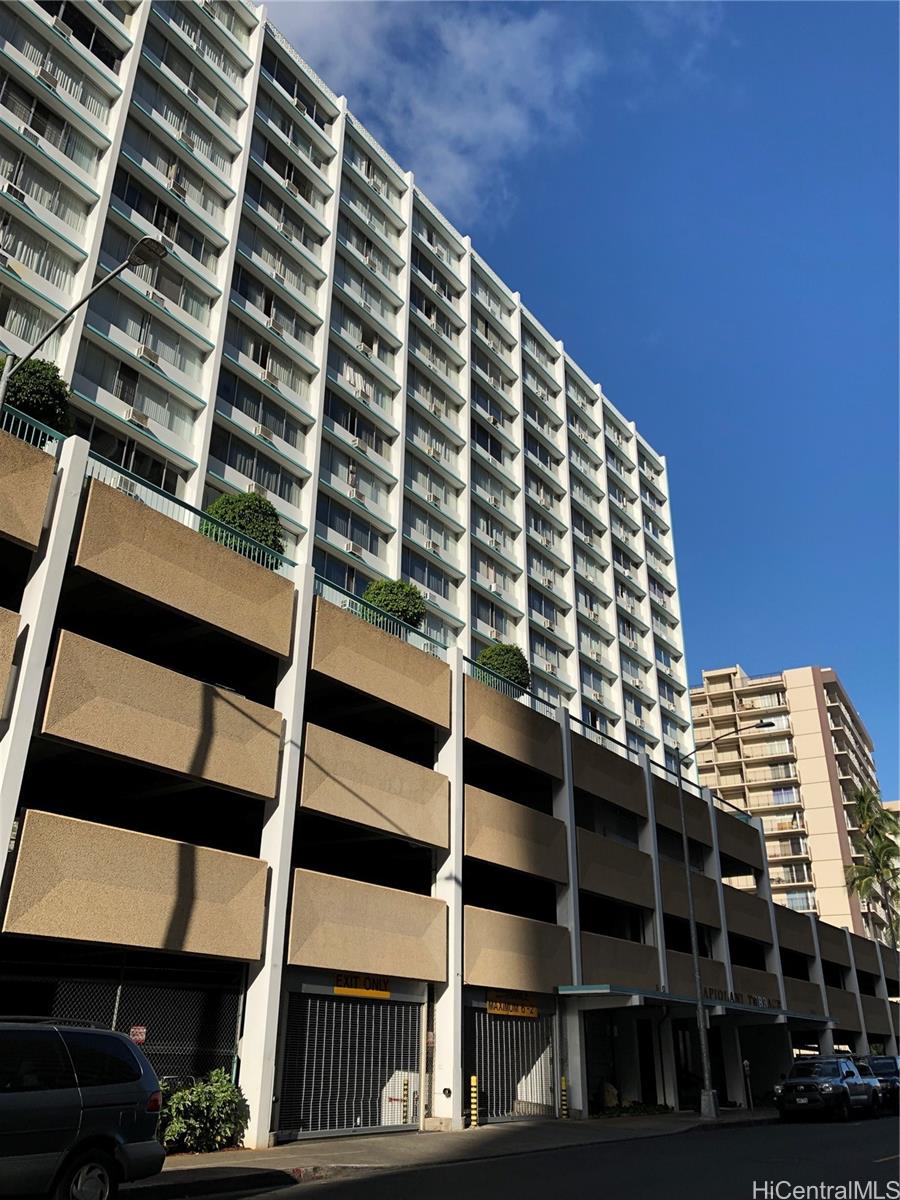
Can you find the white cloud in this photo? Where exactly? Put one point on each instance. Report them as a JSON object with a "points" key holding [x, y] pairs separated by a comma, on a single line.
{"points": [[687, 28], [457, 93]]}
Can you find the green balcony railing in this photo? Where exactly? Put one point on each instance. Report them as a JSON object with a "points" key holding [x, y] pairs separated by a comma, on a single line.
{"points": [[27, 429], [335, 594], [503, 685]]}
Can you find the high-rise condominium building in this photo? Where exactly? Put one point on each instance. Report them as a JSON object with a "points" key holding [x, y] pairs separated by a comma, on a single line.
{"points": [[799, 773], [320, 333]]}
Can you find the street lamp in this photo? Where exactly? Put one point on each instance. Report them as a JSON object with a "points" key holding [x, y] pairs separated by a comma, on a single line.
{"points": [[146, 249], [708, 1105]]}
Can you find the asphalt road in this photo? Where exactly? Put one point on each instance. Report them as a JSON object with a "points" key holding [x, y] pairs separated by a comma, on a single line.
{"points": [[720, 1165]]}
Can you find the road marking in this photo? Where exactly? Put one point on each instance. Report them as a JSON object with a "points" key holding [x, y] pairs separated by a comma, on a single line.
{"points": [[890, 1158]]}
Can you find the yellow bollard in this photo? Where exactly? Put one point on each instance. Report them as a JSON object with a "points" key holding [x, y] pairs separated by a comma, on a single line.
{"points": [[563, 1099], [406, 1101], [473, 1119]]}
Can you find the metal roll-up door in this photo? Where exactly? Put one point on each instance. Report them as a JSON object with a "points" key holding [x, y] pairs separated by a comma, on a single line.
{"points": [[349, 1064], [514, 1066]]}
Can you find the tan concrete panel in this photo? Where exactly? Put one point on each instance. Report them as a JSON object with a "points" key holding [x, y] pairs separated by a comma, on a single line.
{"points": [[833, 944], [141, 549], [875, 1015], [347, 648], [747, 915], [802, 996], [794, 931], [891, 962], [749, 982], [696, 814], [681, 974], [865, 954], [123, 705], [507, 726], [608, 868], [359, 783], [9, 631], [675, 898], [614, 960], [603, 773], [739, 839], [95, 883], [895, 1015], [344, 925], [806, 722], [842, 1008], [502, 951], [500, 831], [25, 477]]}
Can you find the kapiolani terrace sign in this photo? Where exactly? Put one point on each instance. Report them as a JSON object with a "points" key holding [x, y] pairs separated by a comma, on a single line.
{"points": [[751, 1001]]}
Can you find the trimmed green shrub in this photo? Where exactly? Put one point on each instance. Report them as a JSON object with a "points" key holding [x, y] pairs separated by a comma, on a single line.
{"points": [[507, 661], [250, 514], [400, 599], [210, 1114], [38, 390]]}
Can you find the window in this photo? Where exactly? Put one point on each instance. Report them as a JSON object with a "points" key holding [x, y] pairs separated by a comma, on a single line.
{"points": [[33, 1060], [100, 1059], [415, 569], [253, 464], [330, 514]]}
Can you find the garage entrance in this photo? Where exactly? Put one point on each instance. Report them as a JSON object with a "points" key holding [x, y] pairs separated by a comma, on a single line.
{"points": [[510, 1048]]}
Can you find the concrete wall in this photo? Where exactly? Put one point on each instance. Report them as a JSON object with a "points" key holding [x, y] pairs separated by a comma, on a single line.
{"points": [[356, 782], [501, 831], [114, 702], [842, 1008], [696, 813], [675, 898], [747, 914], [95, 883], [347, 648], [751, 982], [602, 773], [609, 868], [739, 839], [343, 925], [503, 951], [510, 728], [681, 974], [875, 1016], [865, 954], [9, 631], [833, 944], [802, 996], [794, 931], [614, 960], [141, 549], [25, 477]]}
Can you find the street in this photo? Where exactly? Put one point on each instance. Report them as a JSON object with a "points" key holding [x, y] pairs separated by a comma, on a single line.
{"points": [[720, 1165]]}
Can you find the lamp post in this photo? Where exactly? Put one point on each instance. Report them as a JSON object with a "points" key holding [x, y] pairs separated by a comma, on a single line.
{"points": [[146, 249], [709, 1108]]}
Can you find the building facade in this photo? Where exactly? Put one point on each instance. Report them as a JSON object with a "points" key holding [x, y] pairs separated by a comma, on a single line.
{"points": [[261, 826], [800, 775], [318, 332]]}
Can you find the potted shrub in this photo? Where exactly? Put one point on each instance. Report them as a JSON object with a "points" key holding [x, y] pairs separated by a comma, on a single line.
{"points": [[398, 598], [247, 513], [509, 663]]}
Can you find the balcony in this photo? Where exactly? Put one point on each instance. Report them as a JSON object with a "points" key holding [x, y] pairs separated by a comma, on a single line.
{"points": [[619, 962], [794, 931], [842, 1008], [512, 835], [607, 867], [339, 924], [681, 974], [747, 915], [509, 727], [674, 894], [366, 786], [756, 985], [802, 996], [602, 771], [133, 709], [26, 473], [95, 883], [514, 953]]}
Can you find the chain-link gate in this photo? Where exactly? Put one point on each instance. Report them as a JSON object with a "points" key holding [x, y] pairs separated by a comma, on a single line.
{"points": [[514, 1065], [349, 1065]]}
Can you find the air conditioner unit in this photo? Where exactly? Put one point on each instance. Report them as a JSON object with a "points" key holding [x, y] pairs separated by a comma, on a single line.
{"points": [[495, 421], [364, 349], [136, 417], [285, 231], [434, 452], [496, 544], [128, 486], [597, 696], [353, 548], [356, 494], [433, 498], [156, 297], [276, 327], [434, 547], [546, 541], [257, 489], [549, 667], [440, 252], [263, 431], [271, 379], [193, 97], [29, 134], [371, 263], [148, 355], [496, 589], [436, 408], [548, 623], [548, 581], [495, 501], [292, 187], [168, 243], [15, 192], [48, 77], [188, 142], [179, 190], [597, 656], [298, 103], [61, 28], [496, 635]]}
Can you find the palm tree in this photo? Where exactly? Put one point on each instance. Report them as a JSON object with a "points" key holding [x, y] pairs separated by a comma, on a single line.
{"points": [[877, 875]]}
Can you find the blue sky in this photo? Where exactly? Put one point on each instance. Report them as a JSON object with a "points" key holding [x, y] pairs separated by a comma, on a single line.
{"points": [[701, 200]]}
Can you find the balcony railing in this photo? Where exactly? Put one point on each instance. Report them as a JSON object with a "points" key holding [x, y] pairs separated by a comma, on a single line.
{"points": [[507, 688], [27, 429], [382, 620]]}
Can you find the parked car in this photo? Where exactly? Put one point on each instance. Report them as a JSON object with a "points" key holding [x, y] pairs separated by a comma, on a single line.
{"points": [[78, 1112], [873, 1083], [823, 1086], [887, 1068]]}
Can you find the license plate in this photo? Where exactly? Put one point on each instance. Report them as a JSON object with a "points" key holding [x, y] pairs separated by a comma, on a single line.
{"points": [[802, 1100]]}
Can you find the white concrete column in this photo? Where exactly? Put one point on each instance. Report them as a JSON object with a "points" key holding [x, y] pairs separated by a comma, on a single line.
{"points": [[571, 1022], [764, 890], [666, 1077], [648, 844], [625, 1055], [37, 615], [721, 951], [817, 976], [567, 913], [890, 1042], [734, 1065], [862, 1044], [447, 1110], [259, 1038]]}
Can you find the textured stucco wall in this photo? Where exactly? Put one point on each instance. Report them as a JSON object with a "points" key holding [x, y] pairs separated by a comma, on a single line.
{"points": [[802, 996], [141, 549], [608, 868], [9, 630], [747, 915], [75, 879], [794, 931], [112, 701], [865, 954], [756, 983], [25, 475], [875, 1015], [602, 773], [675, 899], [356, 782], [833, 944], [502, 951], [343, 925], [681, 974], [510, 728], [614, 960], [500, 831], [842, 1008], [739, 839]]}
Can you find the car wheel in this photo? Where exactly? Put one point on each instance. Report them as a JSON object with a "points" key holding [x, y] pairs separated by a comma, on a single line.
{"points": [[875, 1106], [842, 1111], [90, 1175]]}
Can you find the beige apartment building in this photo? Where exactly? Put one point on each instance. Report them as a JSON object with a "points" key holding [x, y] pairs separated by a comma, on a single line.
{"points": [[799, 774]]}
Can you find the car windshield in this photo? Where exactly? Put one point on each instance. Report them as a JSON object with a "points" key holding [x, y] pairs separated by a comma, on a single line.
{"points": [[864, 1069], [814, 1070], [884, 1066]]}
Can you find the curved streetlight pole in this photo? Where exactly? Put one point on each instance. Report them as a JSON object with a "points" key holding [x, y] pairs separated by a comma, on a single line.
{"points": [[146, 249], [709, 1107]]}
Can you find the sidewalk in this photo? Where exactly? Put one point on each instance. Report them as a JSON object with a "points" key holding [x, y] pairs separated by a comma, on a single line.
{"points": [[322, 1158]]}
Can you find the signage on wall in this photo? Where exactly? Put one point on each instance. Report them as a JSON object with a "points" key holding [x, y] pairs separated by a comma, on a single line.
{"points": [[747, 999], [511, 1006], [373, 987], [138, 1034]]}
